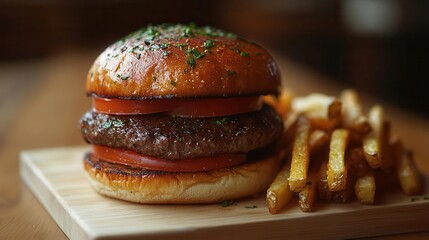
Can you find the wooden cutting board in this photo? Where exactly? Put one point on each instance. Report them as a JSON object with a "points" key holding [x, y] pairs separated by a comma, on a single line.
{"points": [[57, 179]]}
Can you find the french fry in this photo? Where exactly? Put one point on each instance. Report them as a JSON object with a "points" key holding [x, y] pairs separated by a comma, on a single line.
{"points": [[322, 184], [373, 141], [337, 171], [344, 195], [409, 177], [352, 116], [307, 196], [357, 163], [322, 110], [376, 118], [279, 193], [365, 188], [372, 149], [317, 140], [318, 106], [300, 156]]}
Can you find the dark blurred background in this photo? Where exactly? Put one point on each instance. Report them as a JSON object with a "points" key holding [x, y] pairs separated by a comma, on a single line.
{"points": [[376, 46]]}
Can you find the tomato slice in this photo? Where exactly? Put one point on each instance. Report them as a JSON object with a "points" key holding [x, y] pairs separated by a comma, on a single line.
{"points": [[126, 107], [131, 158], [206, 107]]}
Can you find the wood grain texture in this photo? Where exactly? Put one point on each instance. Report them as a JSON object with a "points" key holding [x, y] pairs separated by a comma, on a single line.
{"points": [[57, 179]]}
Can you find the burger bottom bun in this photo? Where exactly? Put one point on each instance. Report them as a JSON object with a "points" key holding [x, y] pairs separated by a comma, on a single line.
{"points": [[153, 187]]}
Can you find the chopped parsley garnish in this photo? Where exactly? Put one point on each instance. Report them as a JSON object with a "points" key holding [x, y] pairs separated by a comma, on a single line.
{"points": [[191, 62], [118, 123], [172, 82], [208, 43], [165, 53], [231, 35], [163, 45], [138, 56], [152, 31], [258, 54], [196, 53], [124, 78], [181, 45], [221, 121], [188, 31], [115, 123], [106, 124], [227, 203], [244, 54], [231, 72]]}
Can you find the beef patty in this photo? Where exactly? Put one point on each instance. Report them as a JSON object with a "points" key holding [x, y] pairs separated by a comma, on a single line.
{"points": [[174, 138]]}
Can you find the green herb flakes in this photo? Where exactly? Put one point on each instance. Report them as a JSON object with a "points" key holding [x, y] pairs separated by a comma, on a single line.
{"points": [[231, 72], [174, 83], [106, 124], [124, 77], [163, 45], [231, 35], [208, 43], [197, 54], [117, 123], [191, 62], [227, 203], [188, 31], [181, 45], [244, 54], [221, 121], [258, 54]]}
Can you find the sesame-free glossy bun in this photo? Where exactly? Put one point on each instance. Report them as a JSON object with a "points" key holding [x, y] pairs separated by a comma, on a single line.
{"points": [[142, 186], [183, 61]]}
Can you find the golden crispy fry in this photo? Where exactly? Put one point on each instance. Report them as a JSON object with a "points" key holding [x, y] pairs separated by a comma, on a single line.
{"points": [[300, 156], [357, 163], [373, 141], [337, 171], [352, 116], [318, 139], [279, 193], [343, 195], [372, 149], [409, 177], [318, 106], [365, 188], [322, 184], [376, 118], [307, 196]]}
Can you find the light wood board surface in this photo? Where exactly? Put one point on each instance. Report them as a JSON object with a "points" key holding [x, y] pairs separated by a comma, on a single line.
{"points": [[57, 179]]}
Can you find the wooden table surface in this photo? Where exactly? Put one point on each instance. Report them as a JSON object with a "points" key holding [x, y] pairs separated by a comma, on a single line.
{"points": [[42, 101]]}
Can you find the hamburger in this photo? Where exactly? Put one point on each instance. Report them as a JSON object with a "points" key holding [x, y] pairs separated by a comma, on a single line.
{"points": [[178, 118]]}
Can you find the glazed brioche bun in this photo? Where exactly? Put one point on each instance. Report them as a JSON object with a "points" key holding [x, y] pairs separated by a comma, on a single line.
{"points": [[152, 187], [170, 61]]}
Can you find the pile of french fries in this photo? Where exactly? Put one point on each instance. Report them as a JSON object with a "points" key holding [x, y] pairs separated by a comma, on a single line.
{"points": [[331, 150]]}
